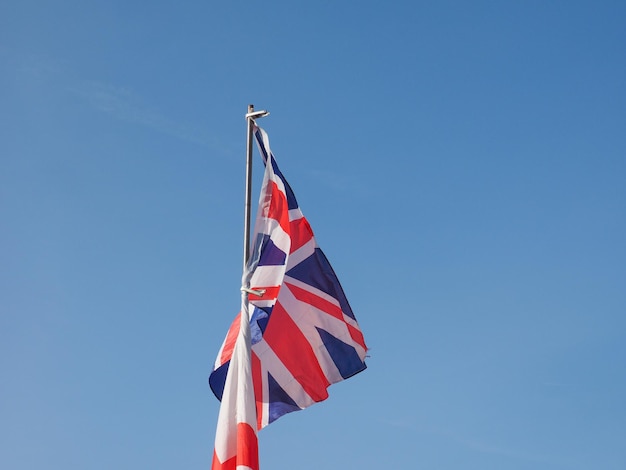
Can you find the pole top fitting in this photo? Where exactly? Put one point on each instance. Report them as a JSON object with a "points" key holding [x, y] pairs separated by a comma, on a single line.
{"points": [[257, 114]]}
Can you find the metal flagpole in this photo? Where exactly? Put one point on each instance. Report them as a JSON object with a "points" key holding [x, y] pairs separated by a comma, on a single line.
{"points": [[246, 212], [250, 117]]}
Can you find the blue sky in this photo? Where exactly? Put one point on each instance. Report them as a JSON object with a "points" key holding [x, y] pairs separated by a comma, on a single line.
{"points": [[463, 165]]}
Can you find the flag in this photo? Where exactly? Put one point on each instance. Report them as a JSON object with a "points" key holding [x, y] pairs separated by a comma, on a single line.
{"points": [[304, 335]]}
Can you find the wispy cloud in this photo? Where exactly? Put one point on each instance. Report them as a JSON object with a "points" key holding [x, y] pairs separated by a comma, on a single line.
{"points": [[119, 102], [32, 66], [123, 104]]}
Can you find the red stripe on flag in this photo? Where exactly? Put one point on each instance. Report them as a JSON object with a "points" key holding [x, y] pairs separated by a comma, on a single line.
{"points": [[356, 335], [318, 302], [230, 464], [231, 339], [247, 446], [247, 451], [300, 232], [330, 308], [271, 293], [279, 209], [296, 353]]}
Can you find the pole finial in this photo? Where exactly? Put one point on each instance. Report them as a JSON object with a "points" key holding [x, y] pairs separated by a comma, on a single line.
{"points": [[256, 114]]}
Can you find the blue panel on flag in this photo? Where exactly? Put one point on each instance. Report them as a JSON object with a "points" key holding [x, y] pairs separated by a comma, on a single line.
{"points": [[279, 402], [291, 198], [343, 355], [258, 323], [217, 379], [317, 272], [292, 203], [259, 138], [271, 255]]}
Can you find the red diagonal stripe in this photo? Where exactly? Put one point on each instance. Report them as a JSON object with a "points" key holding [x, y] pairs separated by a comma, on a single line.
{"points": [[300, 233], [330, 308], [356, 335], [296, 353], [318, 302]]}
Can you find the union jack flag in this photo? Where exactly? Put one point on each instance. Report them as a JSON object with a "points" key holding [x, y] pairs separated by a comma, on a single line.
{"points": [[304, 335]]}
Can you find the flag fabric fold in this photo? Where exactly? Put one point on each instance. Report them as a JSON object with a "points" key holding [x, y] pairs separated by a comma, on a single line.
{"points": [[236, 445], [303, 334]]}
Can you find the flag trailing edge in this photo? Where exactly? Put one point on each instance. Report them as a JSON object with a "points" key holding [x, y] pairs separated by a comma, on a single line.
{"points": [[303, 335]]}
